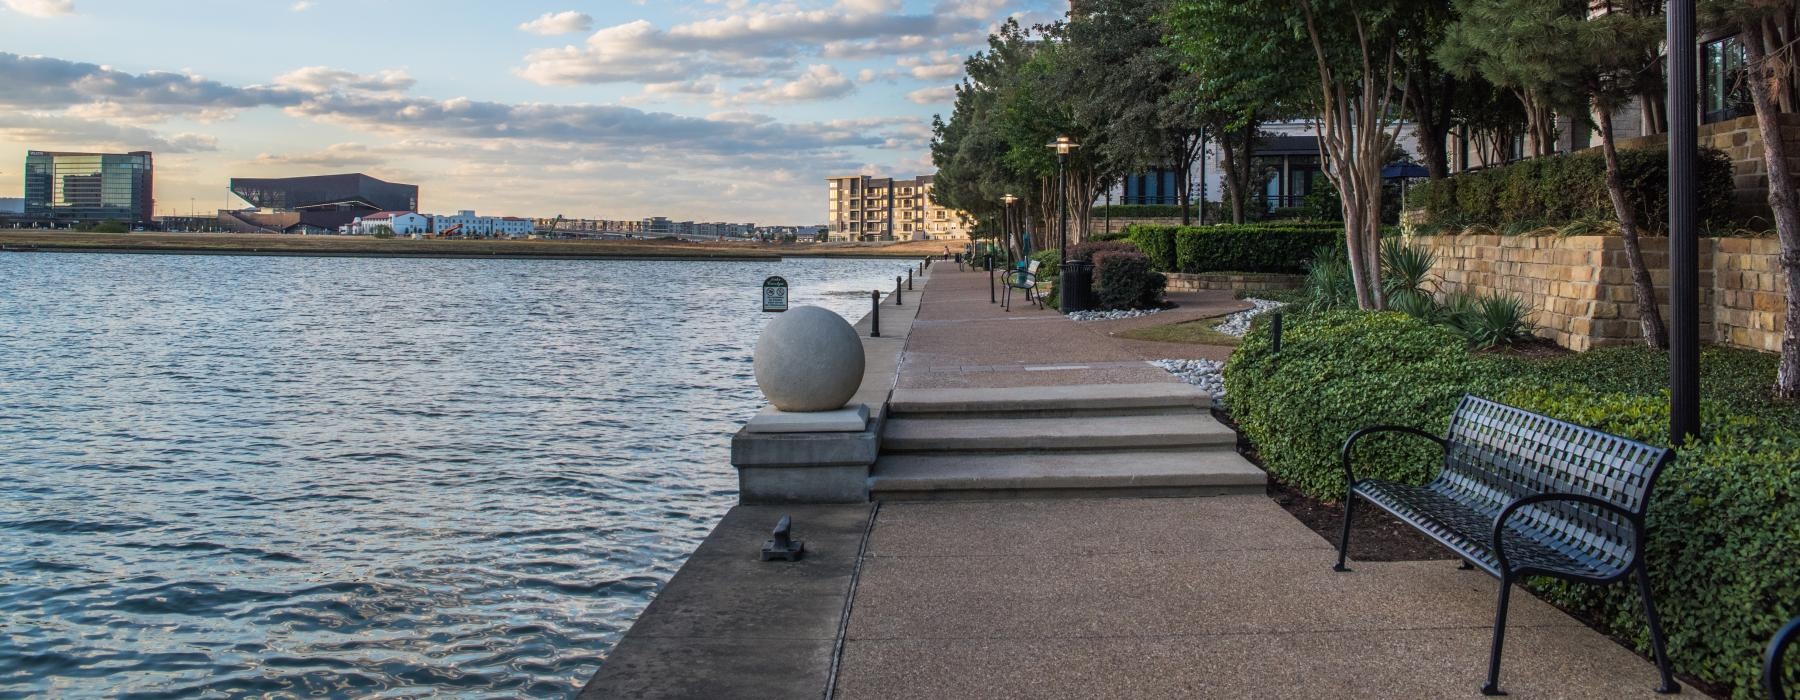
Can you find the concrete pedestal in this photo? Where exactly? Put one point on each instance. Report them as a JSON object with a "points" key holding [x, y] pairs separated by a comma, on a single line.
{"points": [[849, 419], [814, 467]]}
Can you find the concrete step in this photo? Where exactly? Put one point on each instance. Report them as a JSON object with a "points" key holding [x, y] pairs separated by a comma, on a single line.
{"points": [[1193, 429], [1067, 474], [1110, 398]]}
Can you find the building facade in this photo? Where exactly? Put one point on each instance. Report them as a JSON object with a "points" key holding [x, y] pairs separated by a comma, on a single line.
{"points": [[867, 208], [323, 203], [402, 223], [90, 186]]}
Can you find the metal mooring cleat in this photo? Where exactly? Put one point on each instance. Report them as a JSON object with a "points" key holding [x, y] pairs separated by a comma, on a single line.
{"points": [[782, 547]]}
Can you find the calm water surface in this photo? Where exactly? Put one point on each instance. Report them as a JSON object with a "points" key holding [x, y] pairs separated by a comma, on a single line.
{"points": [[225, 476]]}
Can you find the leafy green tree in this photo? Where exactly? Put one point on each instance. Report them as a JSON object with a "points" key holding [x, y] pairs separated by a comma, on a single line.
{"points": [[1558, 59], [1769, 30]]}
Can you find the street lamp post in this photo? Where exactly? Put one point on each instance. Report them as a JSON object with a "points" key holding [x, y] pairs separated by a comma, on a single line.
{"points": [[1071, 299], [1684, 244], [1006, 221]]}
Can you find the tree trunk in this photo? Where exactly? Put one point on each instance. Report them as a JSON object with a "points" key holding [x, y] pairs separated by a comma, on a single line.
{"points": [[1781, 200], [1432, 124], [1235, 176], [1184, 165], [1642, 289]]}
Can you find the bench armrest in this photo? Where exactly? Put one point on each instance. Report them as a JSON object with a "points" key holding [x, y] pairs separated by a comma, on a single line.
{"points": [[1350, 444], [1637, 522]]}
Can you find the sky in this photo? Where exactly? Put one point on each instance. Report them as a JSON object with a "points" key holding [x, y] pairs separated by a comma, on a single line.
{"points": [[709, 110]]}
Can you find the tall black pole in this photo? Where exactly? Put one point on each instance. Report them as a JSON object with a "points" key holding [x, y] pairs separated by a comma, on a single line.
{"points": [[1062, 208], [1684, 243]]}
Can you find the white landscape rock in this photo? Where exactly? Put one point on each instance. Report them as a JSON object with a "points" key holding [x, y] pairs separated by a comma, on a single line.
{"points": [[1206, 374], [1239, 323], [809, 359], [1110, 315]]}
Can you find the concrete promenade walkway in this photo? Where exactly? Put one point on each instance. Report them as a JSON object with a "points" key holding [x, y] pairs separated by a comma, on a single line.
{"points": [[1225, 596]]}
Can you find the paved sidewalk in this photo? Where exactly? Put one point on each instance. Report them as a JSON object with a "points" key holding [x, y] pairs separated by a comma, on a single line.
{"points": [[1227, 596], [962, 340]]}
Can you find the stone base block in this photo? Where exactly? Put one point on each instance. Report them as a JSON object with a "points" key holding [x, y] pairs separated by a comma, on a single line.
{"points": [[779, 485], [850, 419]]}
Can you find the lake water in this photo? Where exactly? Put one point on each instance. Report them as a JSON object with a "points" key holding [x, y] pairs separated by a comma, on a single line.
{"points": [[306, 476]]}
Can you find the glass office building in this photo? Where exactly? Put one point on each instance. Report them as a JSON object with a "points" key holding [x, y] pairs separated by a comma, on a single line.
{"points": [[89, 186]]}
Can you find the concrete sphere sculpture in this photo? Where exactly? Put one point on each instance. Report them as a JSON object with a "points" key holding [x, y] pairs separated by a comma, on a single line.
{"points": [[809, 359]]}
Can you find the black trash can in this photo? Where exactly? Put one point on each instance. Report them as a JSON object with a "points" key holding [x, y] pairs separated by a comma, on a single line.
{"points": [[1077, 290]]}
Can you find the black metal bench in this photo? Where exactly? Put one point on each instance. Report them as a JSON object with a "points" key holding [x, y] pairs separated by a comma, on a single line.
{"points": [[1772, 662], [1522, 494]]}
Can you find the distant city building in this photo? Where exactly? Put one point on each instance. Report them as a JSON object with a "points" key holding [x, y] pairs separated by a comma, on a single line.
{"points": [[865, 208], [90, 186], [654, 227], [464, 224], [314, 204], [401, 223], [12, 205]]}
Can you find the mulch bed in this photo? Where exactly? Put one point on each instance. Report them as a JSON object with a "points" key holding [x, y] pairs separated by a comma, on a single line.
{"points": [[1374, 535]]}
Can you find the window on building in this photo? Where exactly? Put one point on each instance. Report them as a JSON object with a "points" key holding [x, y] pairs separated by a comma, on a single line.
{"points": [[1723, 93]]}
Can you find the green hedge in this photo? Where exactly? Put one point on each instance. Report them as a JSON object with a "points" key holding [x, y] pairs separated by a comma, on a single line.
{"points": [[1724, 519], [1125, 280], [1560, 189], [1144, 211], [1248, 248]]}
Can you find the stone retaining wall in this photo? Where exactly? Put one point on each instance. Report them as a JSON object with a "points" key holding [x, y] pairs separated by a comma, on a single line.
{"points": [[1232, 281], [1580, 286]]}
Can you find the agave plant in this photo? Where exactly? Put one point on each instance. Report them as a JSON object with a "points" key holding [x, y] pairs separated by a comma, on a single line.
{"points": [[1329, 285], [1405, 268], [1418, 305], [1490, 320]]}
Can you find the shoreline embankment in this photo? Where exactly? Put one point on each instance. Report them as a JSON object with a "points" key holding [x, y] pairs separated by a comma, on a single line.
{"points": [[33, 241]]}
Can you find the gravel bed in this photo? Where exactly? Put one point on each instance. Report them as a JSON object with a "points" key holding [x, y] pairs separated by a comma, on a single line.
{"points": [[1206, 374], [1111, 315], [1239, 323]]}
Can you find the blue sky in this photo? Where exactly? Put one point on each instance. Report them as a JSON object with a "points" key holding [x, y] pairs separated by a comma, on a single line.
{"points": [[710, 109]]}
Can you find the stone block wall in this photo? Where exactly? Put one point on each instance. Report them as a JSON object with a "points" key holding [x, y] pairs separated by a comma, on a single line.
{"points": [[1232, 281], [1742, 142], [1580, 286]]}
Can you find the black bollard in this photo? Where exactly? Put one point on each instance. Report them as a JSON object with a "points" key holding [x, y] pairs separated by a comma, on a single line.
{"points": [[875, 315], [898, 288], [909, 280], [1275, 332], [991, 299]]}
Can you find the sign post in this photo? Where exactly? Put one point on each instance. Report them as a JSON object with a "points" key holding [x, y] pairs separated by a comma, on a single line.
{"points": [[775, 294]]}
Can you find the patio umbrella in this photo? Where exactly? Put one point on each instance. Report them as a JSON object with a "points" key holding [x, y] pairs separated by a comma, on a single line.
{"points": [[1403, 171]]}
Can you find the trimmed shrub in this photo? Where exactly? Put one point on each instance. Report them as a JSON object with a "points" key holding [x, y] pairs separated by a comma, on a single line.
{"points": [[1191, 249], [1724, 518], [1724, 525], [1125, 280], [1561, 189], [1144, 211], [1086, 251], [1158, 242], [1343, 370]]}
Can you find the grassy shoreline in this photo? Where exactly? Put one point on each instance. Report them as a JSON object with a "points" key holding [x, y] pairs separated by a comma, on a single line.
{"points": [[26, 240]]}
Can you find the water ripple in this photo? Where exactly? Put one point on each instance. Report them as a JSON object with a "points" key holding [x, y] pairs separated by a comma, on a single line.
{"points": [[293, 477]]}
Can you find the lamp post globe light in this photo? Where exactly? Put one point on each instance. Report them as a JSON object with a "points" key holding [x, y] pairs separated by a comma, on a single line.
{"points": [[1071, 299]]}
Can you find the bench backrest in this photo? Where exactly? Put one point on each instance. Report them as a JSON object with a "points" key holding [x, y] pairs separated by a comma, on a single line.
{"points": [[1498, 453], [1032, 267]]}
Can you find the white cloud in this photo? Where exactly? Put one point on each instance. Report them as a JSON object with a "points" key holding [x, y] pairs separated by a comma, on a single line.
{"points": [[301, 6], [42, 8], [553, 23], [938, 66], [326, 79], [63, 132], [932, 95], [767, 40], [819, 82]]}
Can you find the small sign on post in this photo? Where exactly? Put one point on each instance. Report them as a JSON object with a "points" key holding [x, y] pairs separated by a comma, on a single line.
{"points": [[775, 294]]}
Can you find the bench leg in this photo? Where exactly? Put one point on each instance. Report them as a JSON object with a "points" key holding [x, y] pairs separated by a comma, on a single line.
{"points": [[1493, 679], [1669, 686], [1344, 535]]}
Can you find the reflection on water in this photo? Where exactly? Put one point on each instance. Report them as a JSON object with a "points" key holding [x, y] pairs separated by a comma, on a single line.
{"points": [[225, 475]]}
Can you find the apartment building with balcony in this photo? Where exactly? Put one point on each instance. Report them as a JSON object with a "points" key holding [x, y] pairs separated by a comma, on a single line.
{"points": [[868, 208]]}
